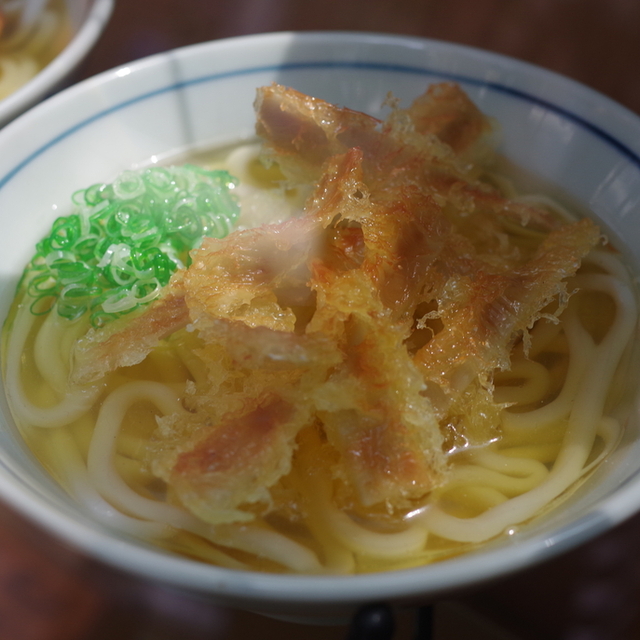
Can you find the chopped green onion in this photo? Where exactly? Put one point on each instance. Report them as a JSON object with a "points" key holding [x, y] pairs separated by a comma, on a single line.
{"points": [[124, 240]]}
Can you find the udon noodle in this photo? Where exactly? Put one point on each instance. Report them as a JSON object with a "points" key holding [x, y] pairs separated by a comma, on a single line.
{"points": [[26, 49], [394, 357]]}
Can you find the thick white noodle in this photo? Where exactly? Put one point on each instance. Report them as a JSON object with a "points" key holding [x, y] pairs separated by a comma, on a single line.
{"points": [[266, 543], [52, 349], [330, 526], [363, 541], [533, 388], [73, 404], [581, 351], [610, 263], [102, 472], [80, 487], [541, 200], [510, 476], [77, 481]]}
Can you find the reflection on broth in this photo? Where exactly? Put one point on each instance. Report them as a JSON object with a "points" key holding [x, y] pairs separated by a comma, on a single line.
{"points": [[25, 50], [388, 358]]}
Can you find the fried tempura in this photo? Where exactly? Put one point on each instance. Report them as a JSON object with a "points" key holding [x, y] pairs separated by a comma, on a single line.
{"points": [[377, 317]]}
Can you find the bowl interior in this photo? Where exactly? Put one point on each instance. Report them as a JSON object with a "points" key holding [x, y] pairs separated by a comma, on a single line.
{"points": [[202, 97]]}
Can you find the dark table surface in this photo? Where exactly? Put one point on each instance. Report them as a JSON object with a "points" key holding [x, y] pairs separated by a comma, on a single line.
{"points": [[49, 592]]}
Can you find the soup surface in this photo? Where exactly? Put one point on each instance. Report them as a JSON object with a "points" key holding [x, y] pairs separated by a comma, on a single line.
{"points": [[351, 346]]}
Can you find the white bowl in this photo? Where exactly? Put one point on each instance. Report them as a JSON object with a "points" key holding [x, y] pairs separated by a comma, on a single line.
{"points": [[202, 96], [87, 18]]}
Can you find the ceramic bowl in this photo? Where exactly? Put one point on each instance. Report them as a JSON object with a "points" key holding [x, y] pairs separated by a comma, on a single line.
{"points": [[200, 97], [86, 21]]}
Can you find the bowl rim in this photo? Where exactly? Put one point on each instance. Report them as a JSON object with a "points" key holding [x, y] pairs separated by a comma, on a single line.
{"points": [[94, 23], [596, 111], [455, 573]]}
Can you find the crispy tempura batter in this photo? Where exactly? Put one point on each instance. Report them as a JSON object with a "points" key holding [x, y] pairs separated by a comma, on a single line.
{"points": [[378, 317], [340, 360], [127, 341], [446, 112]]}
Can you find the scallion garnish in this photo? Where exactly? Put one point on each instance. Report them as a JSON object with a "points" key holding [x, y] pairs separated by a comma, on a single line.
{"points": [[124, 240]]}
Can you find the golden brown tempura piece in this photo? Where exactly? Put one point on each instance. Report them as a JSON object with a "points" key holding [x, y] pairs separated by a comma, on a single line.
{"points": [[446, 111], [442, 231], [326, 362], [377, 318], [300, 133], [128, 341]]}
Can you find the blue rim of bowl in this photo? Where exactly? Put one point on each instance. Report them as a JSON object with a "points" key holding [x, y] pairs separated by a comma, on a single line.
{"points": [[449, 575], [425, 71]]}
